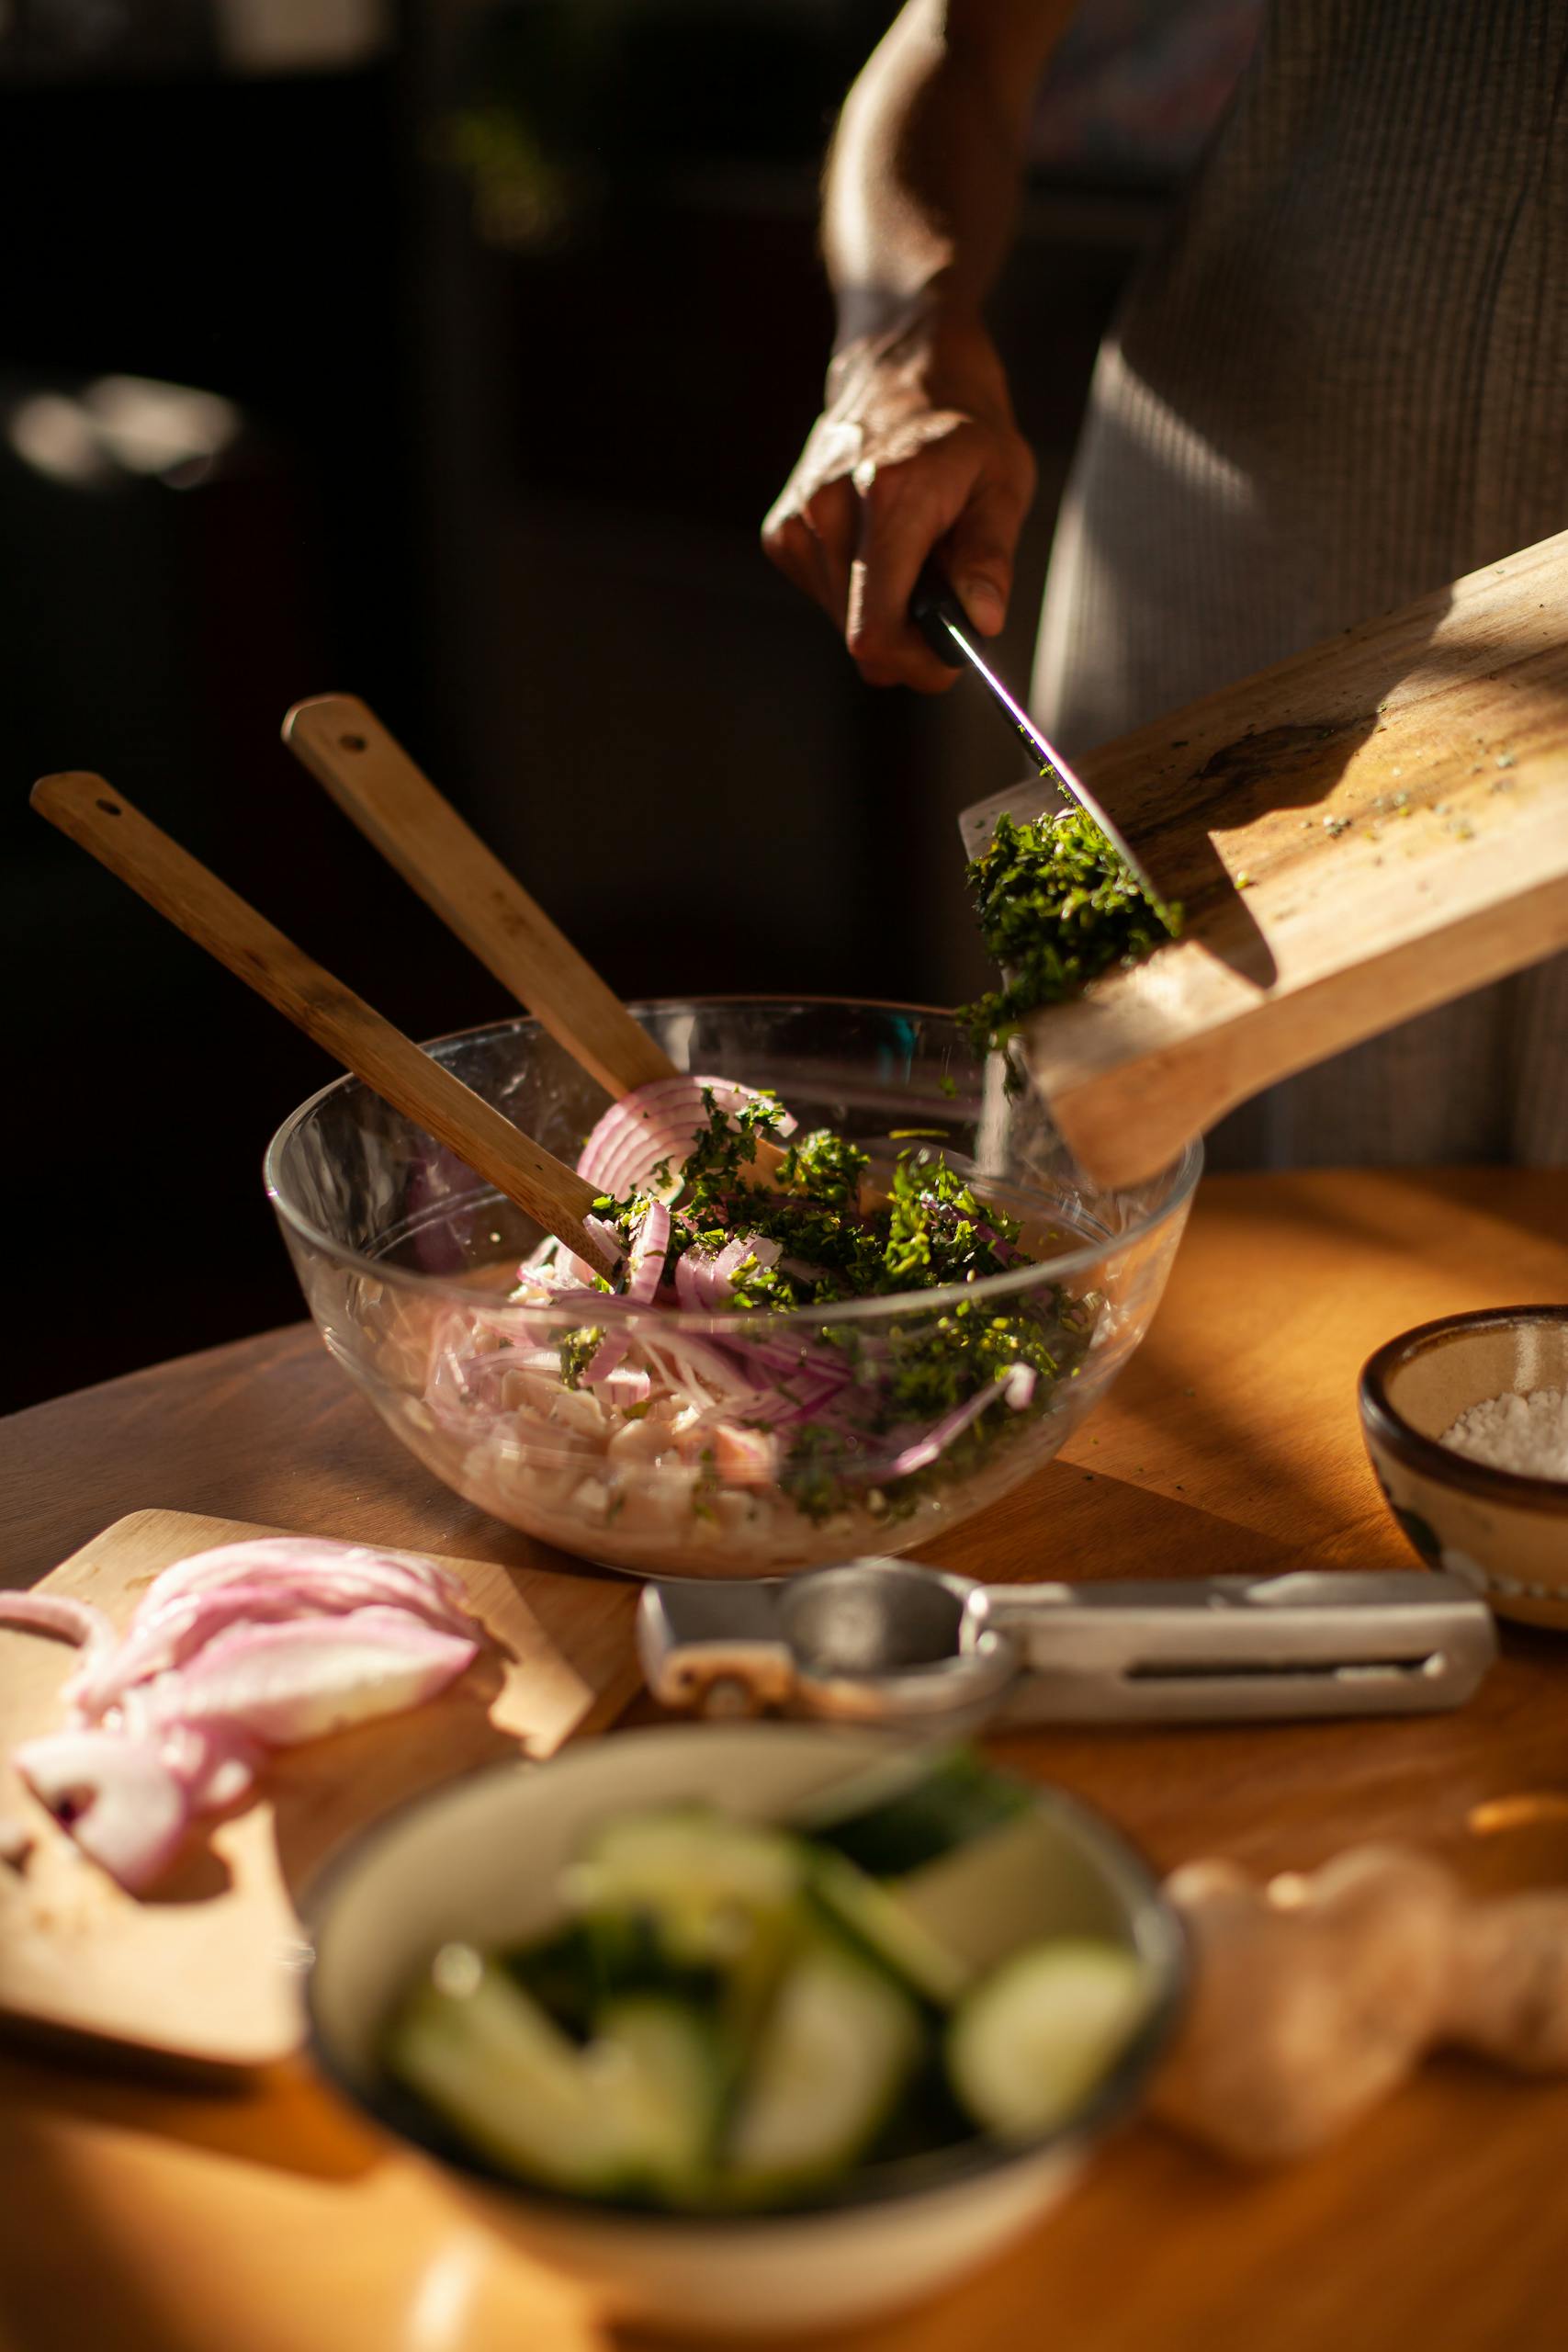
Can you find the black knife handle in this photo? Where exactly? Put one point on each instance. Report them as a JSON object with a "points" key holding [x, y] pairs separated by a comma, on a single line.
{"points": [[934, 609]]}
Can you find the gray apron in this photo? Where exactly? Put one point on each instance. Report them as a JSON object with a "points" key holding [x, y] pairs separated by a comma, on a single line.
{"points": [[1340, 382]]}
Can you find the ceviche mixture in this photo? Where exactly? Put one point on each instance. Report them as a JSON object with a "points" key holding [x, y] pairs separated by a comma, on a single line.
{"points": [[714, 1205]]}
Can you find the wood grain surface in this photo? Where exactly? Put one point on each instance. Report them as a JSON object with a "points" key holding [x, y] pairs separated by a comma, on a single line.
{"points": [[156, 2218], [207, 1967], [1366, 830]]}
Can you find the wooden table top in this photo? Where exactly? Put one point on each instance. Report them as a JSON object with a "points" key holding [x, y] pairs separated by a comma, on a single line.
{"points": [[149, 2215]]}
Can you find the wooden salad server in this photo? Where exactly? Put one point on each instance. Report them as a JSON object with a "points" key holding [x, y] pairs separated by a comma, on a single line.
{"points": [[1357, 834], [416, 829], [105, 824], [398, 808]]}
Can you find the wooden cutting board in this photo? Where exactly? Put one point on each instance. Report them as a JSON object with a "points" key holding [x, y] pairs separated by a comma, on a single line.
{"points": [[1359, 833], [209, 1967]]}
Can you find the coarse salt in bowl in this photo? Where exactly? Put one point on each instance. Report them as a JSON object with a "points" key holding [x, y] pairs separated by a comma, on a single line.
{"points": [[1501, 1522], [716, 1445]]}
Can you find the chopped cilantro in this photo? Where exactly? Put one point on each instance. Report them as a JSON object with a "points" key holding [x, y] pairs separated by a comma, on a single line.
{"points": [[577, 1351], [1056, 907], [929, 1231]]}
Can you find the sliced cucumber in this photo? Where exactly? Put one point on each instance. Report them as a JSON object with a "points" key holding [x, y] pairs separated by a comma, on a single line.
{"points": [[839, 2043], [876, 1918], [676, 2059], [560, 1972], [636, 2107], [476, 2048], [1009, 1886], [1030, 2042], [907, 1814], [707, 1886]]}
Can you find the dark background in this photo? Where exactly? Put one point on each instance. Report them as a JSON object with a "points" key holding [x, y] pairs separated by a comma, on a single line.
{"points": [[516, 314]]}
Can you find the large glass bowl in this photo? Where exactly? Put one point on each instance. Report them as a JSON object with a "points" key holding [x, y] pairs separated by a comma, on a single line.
{"points": [[406, 1260]]}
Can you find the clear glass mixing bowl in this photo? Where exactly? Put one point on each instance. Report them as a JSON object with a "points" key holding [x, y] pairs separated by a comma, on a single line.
{"points": [[406, 1260]]}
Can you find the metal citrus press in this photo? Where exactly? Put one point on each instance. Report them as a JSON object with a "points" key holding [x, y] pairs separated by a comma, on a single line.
{"points": [[886, 1641]]}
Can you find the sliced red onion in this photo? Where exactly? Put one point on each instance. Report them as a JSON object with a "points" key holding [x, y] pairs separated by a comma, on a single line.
{"points": [[1018, 1385], [227, 1563], [333, 1575], [600, 1230], [58, 1614], [691, 1280], [294, 1681], [217, 1764], [657, 1122], [273, 1640], [728, 1263], [649, 1250], [687, 1356], [925, 1449], [709, 1290], [769, 1358], [610, 1352], [158, 1639], [170, 1628], [778, 1407], [117, 1798], [801, 1269]]}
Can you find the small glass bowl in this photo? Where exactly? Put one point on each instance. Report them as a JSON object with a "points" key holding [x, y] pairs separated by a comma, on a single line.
{"points": [[406, 1260]]}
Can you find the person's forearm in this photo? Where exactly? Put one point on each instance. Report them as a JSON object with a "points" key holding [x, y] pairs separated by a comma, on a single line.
{"points": [[922, 180], [917, 447]]}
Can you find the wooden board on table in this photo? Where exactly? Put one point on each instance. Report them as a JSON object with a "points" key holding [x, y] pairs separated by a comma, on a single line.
{"points": [[1359, 834], [208, 1966]]}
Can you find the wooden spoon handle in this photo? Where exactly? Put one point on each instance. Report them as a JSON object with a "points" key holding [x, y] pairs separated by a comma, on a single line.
{"points": [[374, 781], [105, 824], [397, 808]]}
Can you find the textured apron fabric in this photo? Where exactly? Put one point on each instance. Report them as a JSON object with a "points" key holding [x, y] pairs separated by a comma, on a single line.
{"points": [[1341, 382]]}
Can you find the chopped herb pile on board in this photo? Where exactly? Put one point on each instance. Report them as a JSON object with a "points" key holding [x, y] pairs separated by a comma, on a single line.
{"points": [[1056, 907]]}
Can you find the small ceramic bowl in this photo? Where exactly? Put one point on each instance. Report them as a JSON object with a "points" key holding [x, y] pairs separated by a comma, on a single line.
{"points": [[1504, 1532], [480, 1862]]}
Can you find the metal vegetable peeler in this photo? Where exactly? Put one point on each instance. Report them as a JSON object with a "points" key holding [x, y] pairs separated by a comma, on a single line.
{"points": [[885, 1641]]}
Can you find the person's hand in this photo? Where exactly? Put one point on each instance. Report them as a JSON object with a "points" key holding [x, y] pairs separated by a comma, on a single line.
{"points": [[917, 448]]}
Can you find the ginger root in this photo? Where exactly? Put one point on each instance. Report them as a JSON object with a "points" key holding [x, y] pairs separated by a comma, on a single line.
{"points": [[1315, 1997]]}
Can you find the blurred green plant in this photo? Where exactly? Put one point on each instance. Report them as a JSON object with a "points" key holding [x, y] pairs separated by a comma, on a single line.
{"points": [[566, 110]]}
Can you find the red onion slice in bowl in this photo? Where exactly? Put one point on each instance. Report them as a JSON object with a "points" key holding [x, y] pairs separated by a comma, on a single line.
{"points": [[659, 1122]]}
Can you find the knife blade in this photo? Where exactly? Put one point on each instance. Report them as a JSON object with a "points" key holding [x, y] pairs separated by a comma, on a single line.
{"points": [[943, 623]]}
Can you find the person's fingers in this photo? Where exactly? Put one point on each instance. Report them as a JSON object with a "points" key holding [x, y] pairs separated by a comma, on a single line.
{"points": [[853, 525], [809, 532], [978, 553], [791, 545], [832, 516], [905, 510]]}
